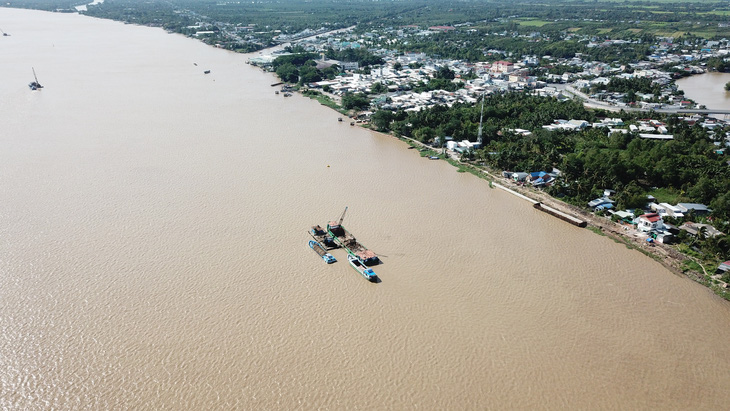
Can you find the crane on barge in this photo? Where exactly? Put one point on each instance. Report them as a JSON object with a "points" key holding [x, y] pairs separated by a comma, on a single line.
{"points": [[34, 85], [336, 227], [347, 241]]}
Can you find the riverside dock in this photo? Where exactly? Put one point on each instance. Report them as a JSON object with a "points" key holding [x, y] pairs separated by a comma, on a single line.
{"points": [[542, 207]]}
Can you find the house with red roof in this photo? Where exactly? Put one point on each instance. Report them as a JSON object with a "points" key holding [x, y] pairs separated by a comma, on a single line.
{"points": [[649, 222]]}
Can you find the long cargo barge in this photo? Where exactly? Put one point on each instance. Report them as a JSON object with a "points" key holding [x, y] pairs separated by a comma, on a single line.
{"points": [[559, 214], [353, 247]]}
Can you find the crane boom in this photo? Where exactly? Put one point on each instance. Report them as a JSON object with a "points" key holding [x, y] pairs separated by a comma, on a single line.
{"points": [[342, 217]]}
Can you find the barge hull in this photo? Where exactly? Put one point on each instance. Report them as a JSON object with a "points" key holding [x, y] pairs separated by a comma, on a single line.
{"points": [[344, 239], [565, 217]]}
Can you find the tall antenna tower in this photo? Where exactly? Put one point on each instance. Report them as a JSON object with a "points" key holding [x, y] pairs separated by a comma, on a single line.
{"points": [[481, 117]]}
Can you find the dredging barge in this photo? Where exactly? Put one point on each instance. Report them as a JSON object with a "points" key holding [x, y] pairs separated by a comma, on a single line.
{"points": [[323, 238], [344, 239]]}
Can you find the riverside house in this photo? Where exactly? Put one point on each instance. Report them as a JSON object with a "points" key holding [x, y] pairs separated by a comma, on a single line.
{"points": [[649, 222]]}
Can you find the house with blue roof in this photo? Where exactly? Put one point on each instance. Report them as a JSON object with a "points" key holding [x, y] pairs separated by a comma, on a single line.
{"points": [[603, 202]]}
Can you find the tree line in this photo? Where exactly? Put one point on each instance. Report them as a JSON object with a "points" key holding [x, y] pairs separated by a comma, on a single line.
{"points": [[590, 160]]}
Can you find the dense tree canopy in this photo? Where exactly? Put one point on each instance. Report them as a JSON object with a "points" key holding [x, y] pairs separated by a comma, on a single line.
{"points": [[357, 101], [589, 160]]}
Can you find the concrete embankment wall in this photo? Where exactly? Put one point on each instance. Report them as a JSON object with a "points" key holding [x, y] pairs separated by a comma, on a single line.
{"points": [[542, 207], [524, 197]]}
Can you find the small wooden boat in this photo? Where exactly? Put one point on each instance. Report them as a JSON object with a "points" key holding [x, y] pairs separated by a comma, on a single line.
{"points": [[361, 268]]}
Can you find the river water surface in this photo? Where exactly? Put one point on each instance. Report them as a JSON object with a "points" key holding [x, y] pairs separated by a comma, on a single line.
{"points": [[153, 255], [707, 89]]}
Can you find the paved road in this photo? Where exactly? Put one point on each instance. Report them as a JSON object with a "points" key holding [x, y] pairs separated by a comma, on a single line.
{"points": [[592, 103]]}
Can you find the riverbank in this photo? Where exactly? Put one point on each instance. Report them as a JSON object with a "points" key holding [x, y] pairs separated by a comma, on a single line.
{"points": [[140, 237], [667, 255]]}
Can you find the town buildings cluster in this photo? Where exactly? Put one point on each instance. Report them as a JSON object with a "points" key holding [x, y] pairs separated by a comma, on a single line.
{"points": [[402, 71]]}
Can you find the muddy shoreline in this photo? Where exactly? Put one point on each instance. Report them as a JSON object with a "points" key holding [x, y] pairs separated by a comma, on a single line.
{"points": [[666, 255]]}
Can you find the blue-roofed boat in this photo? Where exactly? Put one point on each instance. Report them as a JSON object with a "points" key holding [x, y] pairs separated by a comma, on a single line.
{"points": [[317, 247], [361, 268]]}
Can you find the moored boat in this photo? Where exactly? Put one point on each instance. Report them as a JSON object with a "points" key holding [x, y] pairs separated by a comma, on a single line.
{"points": [[322, 237], [361, 268], [317, 247], [348, 241]]}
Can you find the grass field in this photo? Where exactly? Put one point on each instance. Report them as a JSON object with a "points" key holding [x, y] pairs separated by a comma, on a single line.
{"points": [[667, 195], [532, 23]]}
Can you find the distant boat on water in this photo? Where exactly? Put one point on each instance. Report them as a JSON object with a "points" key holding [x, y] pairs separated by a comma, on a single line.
{"points": [[206, 72], [34, 85]]}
